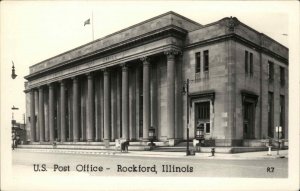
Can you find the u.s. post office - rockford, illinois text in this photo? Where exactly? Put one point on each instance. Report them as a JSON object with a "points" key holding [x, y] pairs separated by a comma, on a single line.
{"points": [[135, 168], [119, 86]]}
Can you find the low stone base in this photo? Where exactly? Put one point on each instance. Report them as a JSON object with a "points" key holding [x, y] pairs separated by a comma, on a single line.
{"points": [[230, 149], [171, 142], [228, 142]]}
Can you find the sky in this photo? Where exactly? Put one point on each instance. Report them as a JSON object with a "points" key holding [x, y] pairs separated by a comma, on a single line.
{"points": [[34, 31]]}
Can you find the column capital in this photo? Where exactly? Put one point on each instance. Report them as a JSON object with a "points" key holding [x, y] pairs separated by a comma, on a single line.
{"points": [[50, 85], [105, 70], [124, 67], [32, 90], [62, 82], [74, 78], [171, 53], [89, 74], [145, 60]]}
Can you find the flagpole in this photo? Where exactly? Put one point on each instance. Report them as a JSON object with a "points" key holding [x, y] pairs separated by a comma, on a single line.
{"points": [[92, 25]]}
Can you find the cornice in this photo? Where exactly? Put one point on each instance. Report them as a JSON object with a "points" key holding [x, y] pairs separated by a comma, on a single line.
{"points": [[233, 36], [168, 31], [104, 67]]}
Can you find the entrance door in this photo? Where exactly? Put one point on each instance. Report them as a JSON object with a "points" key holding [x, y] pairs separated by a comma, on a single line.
{"points": [[202, 116], [248, 120]]}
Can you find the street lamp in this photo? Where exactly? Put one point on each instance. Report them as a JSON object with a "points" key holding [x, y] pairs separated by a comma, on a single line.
{"points": [[13, 128], [278, 130], [186, 92], [200, 132], [14, 108], [13, 72]]}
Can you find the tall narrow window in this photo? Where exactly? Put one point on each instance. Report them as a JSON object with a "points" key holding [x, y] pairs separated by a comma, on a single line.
{"points": [[271, 71], [282, 112], [198, 62], [251, 64], [206, 61], [270, 115], [246, 62], [282, 79]]}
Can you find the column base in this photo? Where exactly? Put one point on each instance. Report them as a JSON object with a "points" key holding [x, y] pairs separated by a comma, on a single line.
{"points": [[106, 143], [173, 141], [145, 140], [124, 139]]}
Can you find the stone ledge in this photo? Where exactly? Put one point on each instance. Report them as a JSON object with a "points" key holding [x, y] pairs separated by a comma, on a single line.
{"points": [[232, 149]]}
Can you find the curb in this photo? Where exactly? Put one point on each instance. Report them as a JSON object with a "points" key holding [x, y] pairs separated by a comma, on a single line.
{"points": [[157, 154], [69, 151]]}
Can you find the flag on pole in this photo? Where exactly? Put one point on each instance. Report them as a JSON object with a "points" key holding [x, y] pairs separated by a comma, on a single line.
{"points": [[87, 22]]}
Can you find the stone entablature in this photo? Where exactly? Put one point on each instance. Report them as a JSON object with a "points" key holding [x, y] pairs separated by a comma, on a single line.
{"points": [[149, 49], [129, 35]]}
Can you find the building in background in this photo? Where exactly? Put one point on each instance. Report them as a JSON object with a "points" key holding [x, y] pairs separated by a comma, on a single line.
{"points": [[18, 132], [122, 84]]}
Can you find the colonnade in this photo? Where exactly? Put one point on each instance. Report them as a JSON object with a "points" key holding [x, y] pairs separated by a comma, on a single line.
{"points": [[46, 131]]}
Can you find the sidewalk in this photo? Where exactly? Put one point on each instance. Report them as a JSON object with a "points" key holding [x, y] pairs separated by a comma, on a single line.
{"points": [[237, 156]]}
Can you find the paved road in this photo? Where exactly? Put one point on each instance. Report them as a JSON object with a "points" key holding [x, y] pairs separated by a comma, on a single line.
{"points": [[119, 165]]}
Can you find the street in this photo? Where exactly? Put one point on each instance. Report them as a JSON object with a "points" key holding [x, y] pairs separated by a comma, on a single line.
{"points": [[39, 163]]}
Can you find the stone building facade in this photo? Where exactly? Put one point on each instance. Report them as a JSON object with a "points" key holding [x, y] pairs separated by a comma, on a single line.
{"points": [[122, 84]]}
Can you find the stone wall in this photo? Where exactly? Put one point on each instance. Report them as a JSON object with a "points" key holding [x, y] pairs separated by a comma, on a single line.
{"points": [[217, 81], [246, 82]]}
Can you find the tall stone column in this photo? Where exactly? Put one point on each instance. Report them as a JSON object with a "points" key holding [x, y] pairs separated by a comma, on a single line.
{"points": [[51, 112], [137, 101], [146, 98], [36, 106], [75, 113], [171, 95], [46, 115], [154, 97], [119, 105], [90, 109], [125, 108], [32, 117], [69, 113], [62, 111], [132, 100], [41, 114], [106, 105]]}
